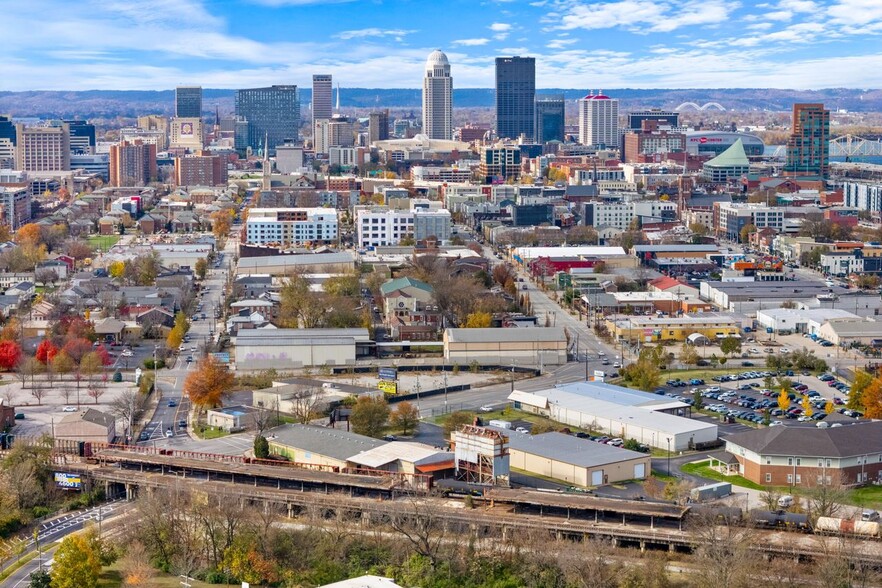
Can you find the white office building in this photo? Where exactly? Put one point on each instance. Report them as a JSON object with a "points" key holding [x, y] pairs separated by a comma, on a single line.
{"points": [[381, 226], [291, 226], [599, 120], [438, 97]]}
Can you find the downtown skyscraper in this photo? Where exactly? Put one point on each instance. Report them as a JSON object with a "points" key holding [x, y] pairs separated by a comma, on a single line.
{"points": [[599, 121], [438, 97], [272, 114], [188, 102], [808, 147], [549, 121], [515, 96], [322, 97]]}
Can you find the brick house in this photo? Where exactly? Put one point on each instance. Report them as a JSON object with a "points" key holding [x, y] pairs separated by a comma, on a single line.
{"points": [[410, 311], [804, 455]]}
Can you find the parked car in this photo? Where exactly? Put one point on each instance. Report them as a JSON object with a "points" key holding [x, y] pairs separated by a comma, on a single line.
{"points": [[69, 409]]}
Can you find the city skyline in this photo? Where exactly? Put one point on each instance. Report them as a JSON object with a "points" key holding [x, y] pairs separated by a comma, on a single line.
{"points": [[159, 44]]}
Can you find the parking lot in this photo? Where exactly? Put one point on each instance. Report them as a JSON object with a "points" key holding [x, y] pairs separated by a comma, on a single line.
{"points": [[747, 396]]}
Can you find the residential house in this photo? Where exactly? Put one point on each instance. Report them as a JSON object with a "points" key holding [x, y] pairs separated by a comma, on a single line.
{"points": [[24, 290], [87, 425], [409, 309]]}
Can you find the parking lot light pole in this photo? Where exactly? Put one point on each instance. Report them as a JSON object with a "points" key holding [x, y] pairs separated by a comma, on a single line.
{"points": [[669, 455]]}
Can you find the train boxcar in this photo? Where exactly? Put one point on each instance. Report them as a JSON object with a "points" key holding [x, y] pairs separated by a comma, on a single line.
{"points": [[837, 526]]}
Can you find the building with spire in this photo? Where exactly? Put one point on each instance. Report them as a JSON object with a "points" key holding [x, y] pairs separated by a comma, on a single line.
{"points": [[438, 97]]}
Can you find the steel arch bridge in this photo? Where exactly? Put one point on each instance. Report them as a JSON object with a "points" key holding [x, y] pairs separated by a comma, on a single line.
{"points": [[706, 106], [853, 146]]}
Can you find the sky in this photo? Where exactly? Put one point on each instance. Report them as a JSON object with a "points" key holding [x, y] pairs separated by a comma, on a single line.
{"points": [[590, 44]]}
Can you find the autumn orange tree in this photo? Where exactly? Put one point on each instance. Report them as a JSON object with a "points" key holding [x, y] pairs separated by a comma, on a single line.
{"points": [[872, 399], [209, 383]]}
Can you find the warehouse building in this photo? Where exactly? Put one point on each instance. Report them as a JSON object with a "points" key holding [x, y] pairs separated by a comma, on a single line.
{"points": [[539, 346], [576, 461], [714, 326], [644, 425], [793, 320], [749, 297], [262, 349], [282, 265], [846, 332]]}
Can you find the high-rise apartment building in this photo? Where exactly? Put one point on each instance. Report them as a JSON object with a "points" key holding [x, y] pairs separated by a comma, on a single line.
{"points": [[7, 142], [599, 121], [381, 226], [378, 126], [132, 164], [549, 118], [322, 97], [81, 136], [15, 206], [808, 148], [515, 96], [272, 114], [664, 118], [500, 163], [438, 97], [42, 148], [188, 102], [201, 169], [338, 131]]}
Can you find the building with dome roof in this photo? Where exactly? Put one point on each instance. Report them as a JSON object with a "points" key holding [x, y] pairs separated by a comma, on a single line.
{"points": [[438, 97], [599, 120]]}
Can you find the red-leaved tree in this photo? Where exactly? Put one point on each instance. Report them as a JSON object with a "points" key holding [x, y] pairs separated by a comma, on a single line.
{"points": [[10, 354], [102, 352], [77, 348], [46, 351]]}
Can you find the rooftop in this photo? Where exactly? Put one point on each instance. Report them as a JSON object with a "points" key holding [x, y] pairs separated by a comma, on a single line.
{"points": [[569, 449], [860, 438], [416, 453], [734, 156], [333, 443], [532, 334], [405, 282]]}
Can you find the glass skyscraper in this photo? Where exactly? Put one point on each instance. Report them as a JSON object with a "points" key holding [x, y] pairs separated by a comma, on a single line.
{"points": [[808, 147], [515, 96], [272, 112], [188, 102], [549, 125]]}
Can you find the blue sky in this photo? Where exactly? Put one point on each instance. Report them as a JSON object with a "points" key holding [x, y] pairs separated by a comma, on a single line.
{"points": [[158, 44]]}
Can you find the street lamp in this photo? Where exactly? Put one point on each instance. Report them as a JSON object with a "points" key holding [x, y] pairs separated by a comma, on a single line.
{"points": [[669, 455]]}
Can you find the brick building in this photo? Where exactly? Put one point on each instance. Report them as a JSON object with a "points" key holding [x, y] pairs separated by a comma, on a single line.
{"points": [[804, 455]]}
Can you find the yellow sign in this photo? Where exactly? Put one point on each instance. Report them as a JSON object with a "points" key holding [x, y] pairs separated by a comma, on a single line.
{"points": [[388, 387]]}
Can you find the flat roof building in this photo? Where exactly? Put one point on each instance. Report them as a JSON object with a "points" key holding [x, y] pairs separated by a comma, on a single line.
{"points": [[536, 346]]}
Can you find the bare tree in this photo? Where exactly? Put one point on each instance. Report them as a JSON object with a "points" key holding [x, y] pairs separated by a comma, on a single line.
{"points": [[38, 392], [419, 522], [305, 403], [590, 564], [825, 500], [723, 553], [95, 392], [266, 417], [65, 393], [769, 497], [9, 396], [128, 406], [220, 518]]}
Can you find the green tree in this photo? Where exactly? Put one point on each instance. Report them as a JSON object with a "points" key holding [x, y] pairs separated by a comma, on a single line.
{"points": [[730, 345], [40, 579], [862, 381], [201, 268], [369, 416], [689, 354], [405, 417], [261, 447], [456, 419], [76, 564], [746, 231], [696, 399]]}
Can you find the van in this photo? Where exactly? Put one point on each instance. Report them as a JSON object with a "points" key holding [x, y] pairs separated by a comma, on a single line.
{"points": [[785, 501], [870, 516]]}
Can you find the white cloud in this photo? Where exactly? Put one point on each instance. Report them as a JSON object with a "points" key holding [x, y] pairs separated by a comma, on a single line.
{"points": [[646, 15], [471, 42], [855, 12], [372, 32], [760, 26], [561, 43], [279, 3], [500, 27]]}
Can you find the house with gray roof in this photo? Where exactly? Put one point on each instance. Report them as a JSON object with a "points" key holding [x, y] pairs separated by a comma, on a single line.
{"points": [[806, 455], [311, 444]]}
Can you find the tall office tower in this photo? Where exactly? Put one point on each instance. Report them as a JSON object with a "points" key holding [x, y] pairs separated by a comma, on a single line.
{"points": [[599, 121], [515, 96], [132, 164], [82, 137], [188, 102], [322, 97], [549, 118], [438, 97], [7, 142], [378, 126], [273, 115], [42, 148], [808, 148]]}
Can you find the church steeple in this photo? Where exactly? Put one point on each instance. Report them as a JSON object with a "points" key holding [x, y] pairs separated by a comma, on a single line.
{"points": [[267, 166]]}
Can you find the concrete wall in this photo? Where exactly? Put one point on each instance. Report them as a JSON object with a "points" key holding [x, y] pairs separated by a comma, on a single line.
{"points": [[300, 456]]}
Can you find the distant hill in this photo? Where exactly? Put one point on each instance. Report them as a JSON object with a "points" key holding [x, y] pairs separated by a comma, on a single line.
{"points": [[109, 104]]}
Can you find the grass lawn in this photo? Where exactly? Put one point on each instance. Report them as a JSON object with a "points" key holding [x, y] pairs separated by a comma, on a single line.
{"points": [[111, 577], [867, 496], [104, 242], [211, 433], [703, 469]]}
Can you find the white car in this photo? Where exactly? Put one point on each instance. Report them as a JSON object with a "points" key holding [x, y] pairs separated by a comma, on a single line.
{"points": [[522, 430], [785, 350], [617, 365], [127, 353], [486, 408], [69, 409]]}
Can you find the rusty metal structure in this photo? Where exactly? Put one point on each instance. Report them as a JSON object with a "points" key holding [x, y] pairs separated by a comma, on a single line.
{"points": [[481, 456]]}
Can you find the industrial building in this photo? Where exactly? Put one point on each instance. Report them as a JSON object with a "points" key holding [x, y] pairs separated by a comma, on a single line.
{"points": [[533, 347], [337, 262], [481, 455], [792, 320], [263, 349], [576, 461], [746, 297], [644, 424], [714, 326]]}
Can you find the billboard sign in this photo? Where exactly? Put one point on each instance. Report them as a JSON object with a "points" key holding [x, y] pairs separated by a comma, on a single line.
{"points": [[388, 373], [222, 357], [388, 387], [68, 481]]}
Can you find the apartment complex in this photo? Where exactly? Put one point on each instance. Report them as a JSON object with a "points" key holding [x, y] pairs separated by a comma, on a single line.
{"points": [[500, 163], [731, 217], [380, 226], [291, 226], [42, 149], [808, 148], [203, 169], [599, 121], [132, 164]]}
